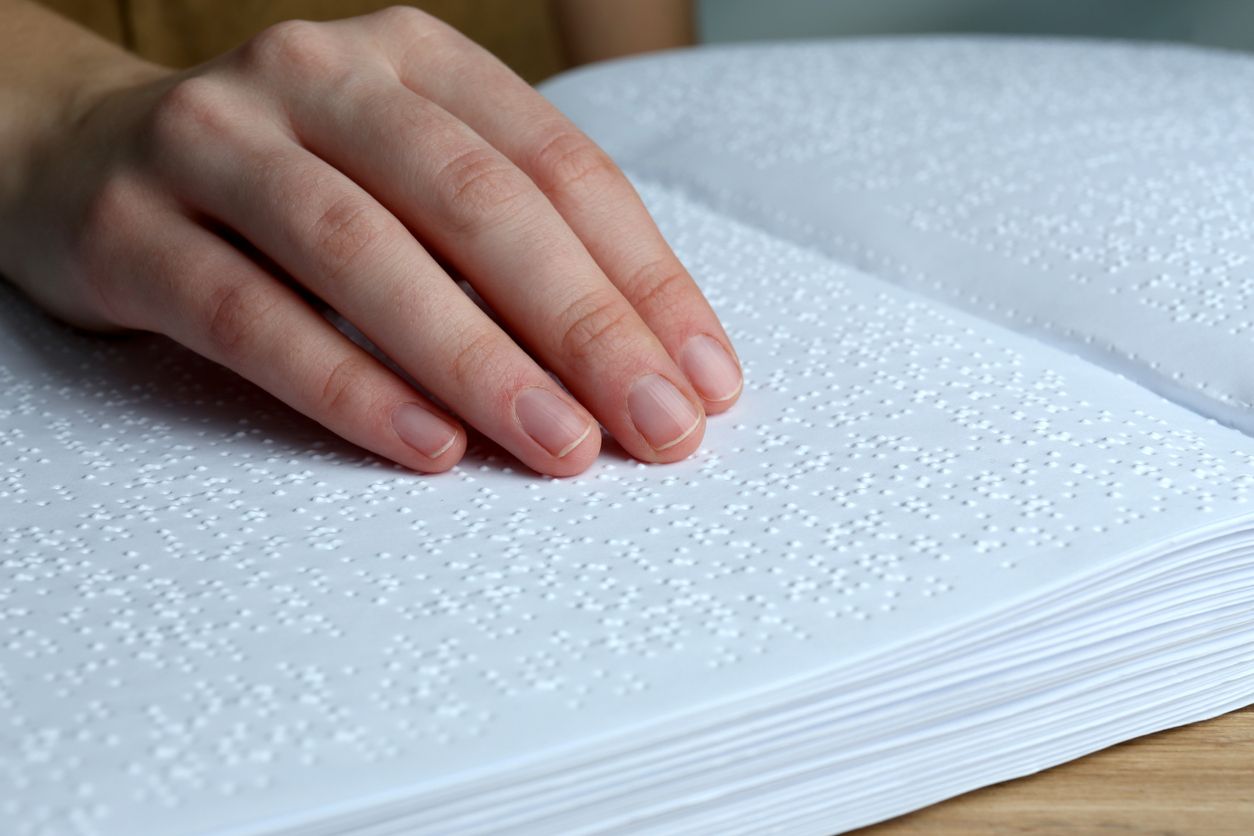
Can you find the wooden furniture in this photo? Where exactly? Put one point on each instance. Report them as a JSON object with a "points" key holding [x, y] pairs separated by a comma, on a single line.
{"points": [[180, 33], [1197, 779]]}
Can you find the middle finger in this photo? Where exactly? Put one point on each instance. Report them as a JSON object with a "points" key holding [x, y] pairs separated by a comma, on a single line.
{"points": [[333, 238], [485, 216]]}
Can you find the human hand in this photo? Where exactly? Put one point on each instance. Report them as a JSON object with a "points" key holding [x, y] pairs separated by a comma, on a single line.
{"points": [[339, 160]]}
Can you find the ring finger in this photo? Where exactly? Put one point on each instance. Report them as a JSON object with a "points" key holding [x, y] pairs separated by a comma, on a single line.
{"points": [[335, 239]]}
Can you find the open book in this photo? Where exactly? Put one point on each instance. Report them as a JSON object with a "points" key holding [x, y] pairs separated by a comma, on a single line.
{"points": [[986, 504]]}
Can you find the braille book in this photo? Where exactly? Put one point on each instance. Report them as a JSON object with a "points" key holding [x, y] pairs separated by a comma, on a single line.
{"points": [[986, 504]]}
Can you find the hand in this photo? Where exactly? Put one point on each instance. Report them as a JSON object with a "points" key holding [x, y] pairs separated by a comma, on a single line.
{"points": [[338, 160]]}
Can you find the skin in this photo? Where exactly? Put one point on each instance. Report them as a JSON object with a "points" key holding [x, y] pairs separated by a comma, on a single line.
{"points": [[362, 163]]}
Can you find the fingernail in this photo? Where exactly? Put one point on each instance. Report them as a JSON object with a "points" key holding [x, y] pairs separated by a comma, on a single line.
{"points": [[712, 371], [423, 430], [661, 412], [552, 422]]}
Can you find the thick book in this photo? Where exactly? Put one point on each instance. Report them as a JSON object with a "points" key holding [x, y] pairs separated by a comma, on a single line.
{"points": [[986, 504]]}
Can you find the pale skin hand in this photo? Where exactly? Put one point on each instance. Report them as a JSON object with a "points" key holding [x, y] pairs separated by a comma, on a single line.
{"points": [[341, 158]]}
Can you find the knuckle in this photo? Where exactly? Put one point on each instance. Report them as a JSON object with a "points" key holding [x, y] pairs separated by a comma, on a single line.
{"points": [[234, 310], [342, 233], [419, 29], [109, 210], [660, 287], [340, 386], [189, 109], [567, 158], [403, 17], [479, 186], [595, 323], [106, 234], [474, 361], [298, 46]]}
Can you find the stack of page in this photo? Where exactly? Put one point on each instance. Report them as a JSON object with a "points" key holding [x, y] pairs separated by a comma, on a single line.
{"points": [[986, 504]]}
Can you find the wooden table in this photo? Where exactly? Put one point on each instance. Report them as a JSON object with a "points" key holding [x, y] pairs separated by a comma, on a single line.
{"points": [[1197, 779]]}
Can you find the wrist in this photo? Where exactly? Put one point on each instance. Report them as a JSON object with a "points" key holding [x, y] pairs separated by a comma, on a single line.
{"points": [[46, 106], [48, 114], [58, 125], [52, 72]]}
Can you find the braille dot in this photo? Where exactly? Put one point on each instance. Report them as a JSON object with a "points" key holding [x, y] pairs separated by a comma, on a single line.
{"points": [[210, 600]]}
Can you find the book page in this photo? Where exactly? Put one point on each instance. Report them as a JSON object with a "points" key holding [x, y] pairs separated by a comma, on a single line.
{"points": [[1094, 195], [217, 613]]}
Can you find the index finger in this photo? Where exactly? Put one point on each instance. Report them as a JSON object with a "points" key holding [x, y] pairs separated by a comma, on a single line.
{"points": [[585, 186]]}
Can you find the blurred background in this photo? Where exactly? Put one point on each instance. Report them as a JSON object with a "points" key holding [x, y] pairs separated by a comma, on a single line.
{"points": [[541, 37], [1227, 23]]}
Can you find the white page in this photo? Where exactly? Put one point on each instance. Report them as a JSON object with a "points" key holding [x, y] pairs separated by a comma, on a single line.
{"points": [[215, 614], [1096, 195]]}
